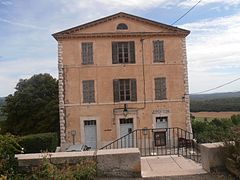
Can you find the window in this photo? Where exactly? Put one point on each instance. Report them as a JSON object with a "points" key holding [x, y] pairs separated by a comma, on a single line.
{"points": [[124, 90], [126, 121], [160, 88], [87, 53], [90, 122], [122, 26], [123, 52], [158, 51], [88, 91]]}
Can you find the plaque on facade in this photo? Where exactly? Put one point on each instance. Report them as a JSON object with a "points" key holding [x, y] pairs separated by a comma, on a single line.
{"points": [[160, 111]]}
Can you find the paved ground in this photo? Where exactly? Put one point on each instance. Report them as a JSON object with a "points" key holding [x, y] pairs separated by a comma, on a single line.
{"points": [[173, 168], [163, 166]]}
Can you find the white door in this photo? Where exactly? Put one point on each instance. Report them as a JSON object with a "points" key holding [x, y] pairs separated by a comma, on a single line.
{"points": [[90, 133], [126, 127], [161, 122]]}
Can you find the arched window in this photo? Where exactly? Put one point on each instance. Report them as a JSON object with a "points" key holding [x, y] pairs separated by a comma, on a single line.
{"points": [[122, 26]]}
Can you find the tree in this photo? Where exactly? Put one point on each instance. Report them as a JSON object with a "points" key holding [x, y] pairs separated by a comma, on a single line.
{"points": [[33, 108]]}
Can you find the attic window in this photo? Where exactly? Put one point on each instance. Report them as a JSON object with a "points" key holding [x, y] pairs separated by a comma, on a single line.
{"points": [[122, 26]]}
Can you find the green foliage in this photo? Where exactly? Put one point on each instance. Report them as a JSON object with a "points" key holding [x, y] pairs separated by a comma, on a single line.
{"points": [[232, 151], [2, 116], [34, 106], [215, 130], [236, 119], [84, 170], [215, 105], [8, 148], [35, 143]]}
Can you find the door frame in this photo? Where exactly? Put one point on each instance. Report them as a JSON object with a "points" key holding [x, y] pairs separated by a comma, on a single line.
{"points": [[162, 114], [121, 116], [82, 130]]}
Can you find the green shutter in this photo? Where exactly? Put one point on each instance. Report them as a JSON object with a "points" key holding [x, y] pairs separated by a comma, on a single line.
{"points": [[116, 93], [160, 88], [158, 51], [132, 52], [133, 90], [88, 91], [114, 52], [87, 53]]}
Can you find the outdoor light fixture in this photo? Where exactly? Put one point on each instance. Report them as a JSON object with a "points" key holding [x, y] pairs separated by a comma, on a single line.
{"points": [[145, 131], [125, 110], [73, 133]]}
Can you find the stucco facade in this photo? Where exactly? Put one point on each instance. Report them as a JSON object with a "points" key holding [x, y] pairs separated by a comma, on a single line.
{"points": [[104, 111]]}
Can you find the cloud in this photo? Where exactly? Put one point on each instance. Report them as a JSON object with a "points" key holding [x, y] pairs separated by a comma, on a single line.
{"points": [[21, 24], [213, 52], [12, 71], [190, 3], [6, 3], [106, 5], [130, 5]]}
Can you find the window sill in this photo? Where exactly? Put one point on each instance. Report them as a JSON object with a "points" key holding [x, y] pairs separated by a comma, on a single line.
{"points": [[159, 63], [155, 100], [92, 103], [87, 64]]}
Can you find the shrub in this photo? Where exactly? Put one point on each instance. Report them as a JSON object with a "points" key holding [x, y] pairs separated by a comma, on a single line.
{"points": [[36, 143], [85, 169], [213, 131], [8, 148], [236, 119], [232, 152]]}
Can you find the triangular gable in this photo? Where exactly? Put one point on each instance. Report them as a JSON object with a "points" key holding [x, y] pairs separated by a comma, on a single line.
{"points": [[151, 26]]}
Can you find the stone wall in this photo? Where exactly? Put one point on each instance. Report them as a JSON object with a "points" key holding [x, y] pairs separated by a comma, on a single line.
{"points": [[212, 157], [111, 162]]}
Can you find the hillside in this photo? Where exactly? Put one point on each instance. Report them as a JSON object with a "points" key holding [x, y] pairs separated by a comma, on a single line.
{"points": [[215, 102], [201, 97]]}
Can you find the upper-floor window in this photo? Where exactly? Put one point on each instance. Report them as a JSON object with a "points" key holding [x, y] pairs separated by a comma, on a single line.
{"points": [[160, 88], [87, 53], [122, 26], [158, 51], [124, 90], [123, 52], [88, 91]]}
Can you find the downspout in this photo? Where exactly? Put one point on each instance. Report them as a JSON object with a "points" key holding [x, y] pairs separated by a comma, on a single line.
{"points": [[143, 74]]}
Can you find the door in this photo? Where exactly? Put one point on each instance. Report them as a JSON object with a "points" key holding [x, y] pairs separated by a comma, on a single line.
{"points": [[90, 130], [161, 136], [126, 127]]}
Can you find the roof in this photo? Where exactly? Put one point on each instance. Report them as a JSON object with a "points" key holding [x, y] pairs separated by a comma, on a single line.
{"points": [[68, 32]]}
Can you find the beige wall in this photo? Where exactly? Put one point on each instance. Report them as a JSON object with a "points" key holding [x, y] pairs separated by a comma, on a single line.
{"points": [[133, 26], [103, 72]]}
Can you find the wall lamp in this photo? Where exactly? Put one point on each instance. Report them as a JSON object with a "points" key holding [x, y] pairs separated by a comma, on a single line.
{"points": [[73, 133], [125, 110]]}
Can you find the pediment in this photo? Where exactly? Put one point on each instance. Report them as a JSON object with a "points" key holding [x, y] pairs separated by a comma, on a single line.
{"points": [[109, 24]]}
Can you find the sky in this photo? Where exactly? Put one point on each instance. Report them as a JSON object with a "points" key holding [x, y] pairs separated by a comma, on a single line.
{"points": [[213, 47]]}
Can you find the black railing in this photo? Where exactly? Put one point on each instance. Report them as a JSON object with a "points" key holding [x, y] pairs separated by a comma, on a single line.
{"points": [[159, 141]]}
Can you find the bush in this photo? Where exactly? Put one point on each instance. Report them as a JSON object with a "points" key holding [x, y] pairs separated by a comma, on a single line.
{"points": [[85, 169], [232, 152], [213, 131], [8, 148], [36, 143]]}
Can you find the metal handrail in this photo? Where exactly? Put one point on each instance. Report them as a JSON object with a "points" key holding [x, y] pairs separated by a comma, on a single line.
{"points": [[175, 140], [117, 139]]}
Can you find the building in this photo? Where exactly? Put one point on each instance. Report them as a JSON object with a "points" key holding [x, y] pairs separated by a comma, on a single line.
{"points": [[120, 73]]}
